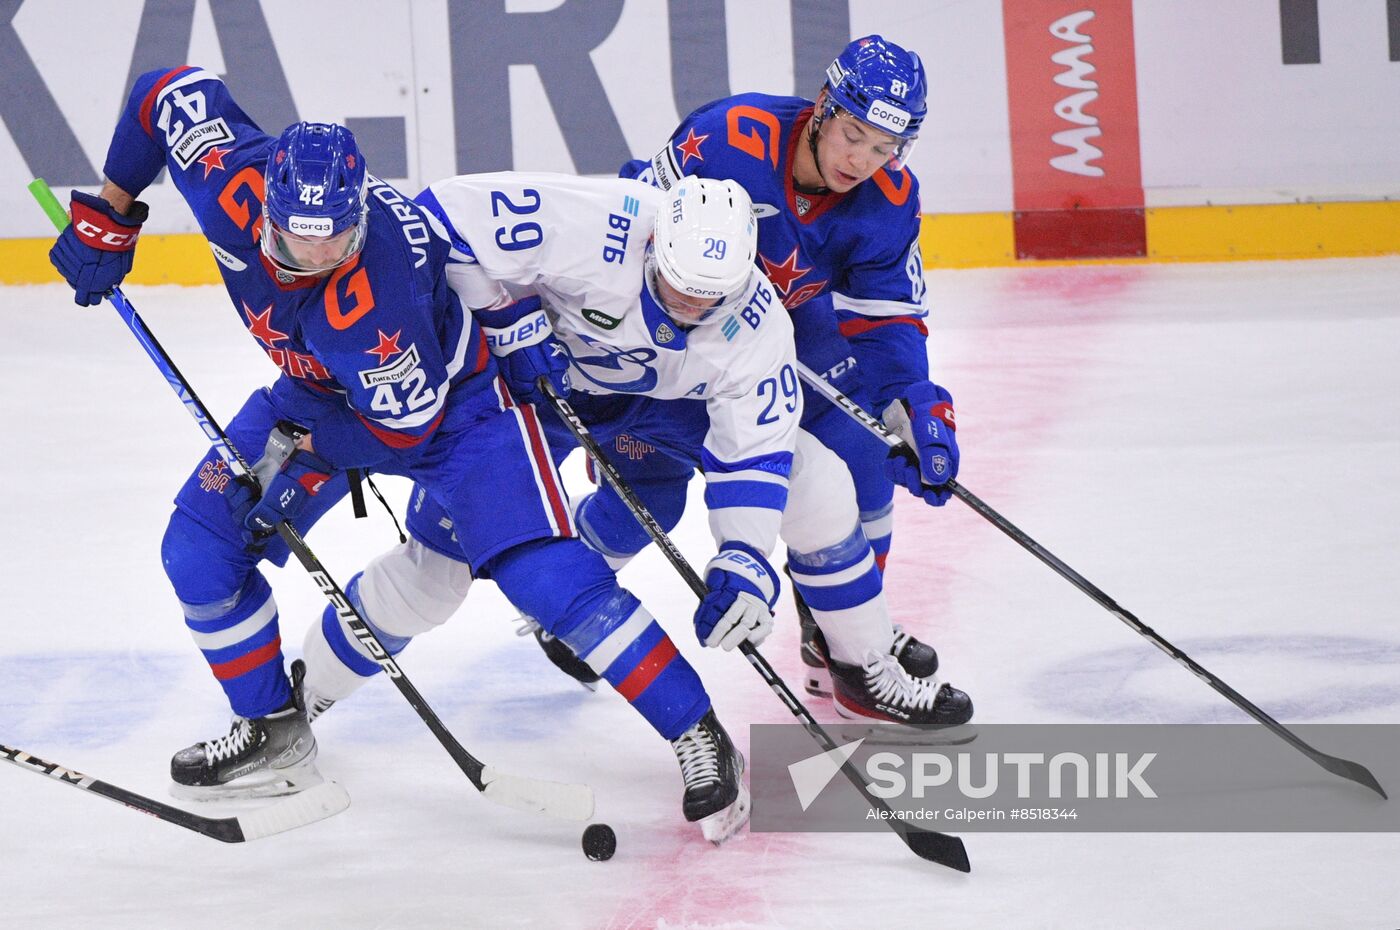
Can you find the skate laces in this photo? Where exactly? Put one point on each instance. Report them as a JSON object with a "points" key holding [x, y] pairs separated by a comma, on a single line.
{"points": [[239, 736], [316, 705], [890, 683], [698, 755], [901, 639]]}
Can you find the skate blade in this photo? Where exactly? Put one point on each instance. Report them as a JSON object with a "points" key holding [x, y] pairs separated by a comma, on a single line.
{"points": [[902, 734], [269, 783], [722, 825]]}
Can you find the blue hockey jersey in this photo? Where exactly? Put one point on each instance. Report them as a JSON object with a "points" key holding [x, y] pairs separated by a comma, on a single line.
{"points": [[383, 331], [854, 256]]}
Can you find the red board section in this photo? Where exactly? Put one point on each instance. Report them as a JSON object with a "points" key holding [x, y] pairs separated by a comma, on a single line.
{"points": [[1072, 94]]}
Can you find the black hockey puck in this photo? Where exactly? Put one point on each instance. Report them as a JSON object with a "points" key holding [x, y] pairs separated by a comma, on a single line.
{"points": [[599, 842]]}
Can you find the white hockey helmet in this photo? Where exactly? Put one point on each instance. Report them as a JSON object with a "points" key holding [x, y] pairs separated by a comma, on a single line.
{"points": [[703, 248]]}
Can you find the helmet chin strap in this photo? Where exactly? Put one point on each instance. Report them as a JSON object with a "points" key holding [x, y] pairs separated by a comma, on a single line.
{"points": [[814, 126]]}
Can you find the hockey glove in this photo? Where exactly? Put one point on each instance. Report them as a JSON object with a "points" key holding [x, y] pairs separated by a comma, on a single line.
{"points": [[739, 605], [523, 342], [284, 497], [924, 419], [95, 251]]}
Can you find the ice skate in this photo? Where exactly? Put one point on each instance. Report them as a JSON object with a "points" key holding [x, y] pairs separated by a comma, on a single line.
{"points": [[559, 653], [258, 758], [715, 794], [918, 658], [882, 690]]}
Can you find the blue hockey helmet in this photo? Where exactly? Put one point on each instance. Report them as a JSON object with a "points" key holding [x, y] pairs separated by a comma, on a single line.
{"points": [[314, 213], [882, 85]]}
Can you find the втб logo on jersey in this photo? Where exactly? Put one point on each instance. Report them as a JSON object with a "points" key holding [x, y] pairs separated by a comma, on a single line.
{"points": [[1071, 108], [624, 370]]}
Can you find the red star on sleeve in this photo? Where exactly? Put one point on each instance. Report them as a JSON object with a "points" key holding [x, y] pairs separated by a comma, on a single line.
{"points": [[388, 347], [690, 148], [259, 324], [785, 273], [214, 158]]}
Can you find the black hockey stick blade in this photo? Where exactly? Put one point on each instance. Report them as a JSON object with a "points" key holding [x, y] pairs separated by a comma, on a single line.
{"points": [[313, 804], [1348, 769], [935, 847]]}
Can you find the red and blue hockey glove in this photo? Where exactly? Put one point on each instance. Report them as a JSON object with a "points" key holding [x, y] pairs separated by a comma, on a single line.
{"points": [[925, 420], [300, 478], [739, 605], [95, 251], [523, 342]]}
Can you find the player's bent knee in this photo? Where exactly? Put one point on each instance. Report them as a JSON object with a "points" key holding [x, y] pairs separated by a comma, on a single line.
{"points": [[556, 581], [202, 566], [410, 589]]}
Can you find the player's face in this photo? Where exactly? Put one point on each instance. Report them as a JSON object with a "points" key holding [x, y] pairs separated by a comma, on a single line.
{"points": [[312, 255], [683, 308], [850, 151]]}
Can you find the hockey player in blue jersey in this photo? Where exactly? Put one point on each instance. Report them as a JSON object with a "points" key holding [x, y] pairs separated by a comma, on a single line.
{"points": [[839, 237], [341, 281]]}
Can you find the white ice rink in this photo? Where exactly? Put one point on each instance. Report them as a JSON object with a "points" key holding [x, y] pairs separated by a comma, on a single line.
{"points": [[1215, 446]]}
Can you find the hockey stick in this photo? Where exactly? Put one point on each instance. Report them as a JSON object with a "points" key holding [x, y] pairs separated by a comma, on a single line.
{"points": [[926, 844], [571, 802], [1342, 767], [315, 803]]}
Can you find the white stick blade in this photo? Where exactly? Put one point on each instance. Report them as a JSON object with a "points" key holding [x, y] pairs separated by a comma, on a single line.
{"points": [[316, 803], [552, 798]]}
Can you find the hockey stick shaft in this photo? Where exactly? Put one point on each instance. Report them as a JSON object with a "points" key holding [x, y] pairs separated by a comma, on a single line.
{"points": [[315, 803], [1344, 768], [522, 793], [936, 847]]}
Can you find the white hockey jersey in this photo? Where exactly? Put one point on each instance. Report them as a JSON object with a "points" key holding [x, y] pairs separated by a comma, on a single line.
{"points": [[580, 244]]}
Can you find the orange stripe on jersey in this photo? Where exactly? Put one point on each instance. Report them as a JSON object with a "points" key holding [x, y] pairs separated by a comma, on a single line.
{"points": [[652, 664], [748, 139], [895, 193]]}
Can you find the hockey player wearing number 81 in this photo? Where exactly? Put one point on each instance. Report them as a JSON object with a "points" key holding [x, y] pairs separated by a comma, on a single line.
{"points": [[839, 236], [341, 280]]}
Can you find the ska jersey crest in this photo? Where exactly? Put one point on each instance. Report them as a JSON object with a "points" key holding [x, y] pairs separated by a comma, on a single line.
{"points": [[626, 371]]}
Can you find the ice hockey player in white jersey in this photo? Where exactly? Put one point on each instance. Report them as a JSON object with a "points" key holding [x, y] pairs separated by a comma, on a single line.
{"points": [[681, 357], [615, 266]]}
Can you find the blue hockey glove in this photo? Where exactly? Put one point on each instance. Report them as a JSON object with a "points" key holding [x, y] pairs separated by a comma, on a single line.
{"points": [[243, 495], [95, 251], [523, 342], [925, 420], [739, 605], [284, 497]]}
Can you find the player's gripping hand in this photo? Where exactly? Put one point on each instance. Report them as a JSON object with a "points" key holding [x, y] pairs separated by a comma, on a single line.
{"points": [[300, 478], [924, 419], [739, 605], [523, 342], [95, 251]]}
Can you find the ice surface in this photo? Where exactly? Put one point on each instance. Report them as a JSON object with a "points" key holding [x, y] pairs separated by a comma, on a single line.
{"points": [[1215, 446]]}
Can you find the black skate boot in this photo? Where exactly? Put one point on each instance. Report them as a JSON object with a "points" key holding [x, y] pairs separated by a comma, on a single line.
{"points": [[265, 757], [715, 794], [881, 690], [559, 653], [316, 703], [919, 659]]}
